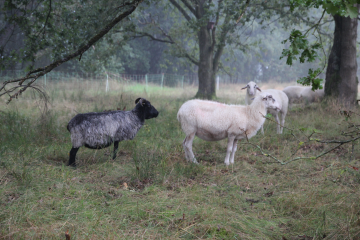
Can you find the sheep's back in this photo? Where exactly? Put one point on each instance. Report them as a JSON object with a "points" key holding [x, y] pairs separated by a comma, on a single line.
{"points": [[211, 116], [293, 92], [311, 95], [95, 129]]}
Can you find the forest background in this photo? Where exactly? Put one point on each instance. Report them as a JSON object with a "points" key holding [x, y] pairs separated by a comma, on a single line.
{"points": [[140, 45]]}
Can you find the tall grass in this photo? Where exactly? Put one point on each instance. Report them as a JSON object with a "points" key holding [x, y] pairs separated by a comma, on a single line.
{"points": [[150, 192]]}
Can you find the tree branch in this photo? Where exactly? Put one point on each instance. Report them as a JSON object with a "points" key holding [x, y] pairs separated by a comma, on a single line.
{"points": [[242, 14], [227, 27], [145, 34], [188, 5], [183, 52], [310, 139], [47, 18], [182, 10], [42, 71]]}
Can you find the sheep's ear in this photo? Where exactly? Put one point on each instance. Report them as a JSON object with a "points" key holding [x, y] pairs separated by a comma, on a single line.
{"points": [[271, 97], [244, 87], [258, 89], [266, 97], [139, 100]]}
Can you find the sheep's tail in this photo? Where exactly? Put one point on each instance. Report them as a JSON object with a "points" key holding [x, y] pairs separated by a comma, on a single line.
{"points": [[67, 127], [179, 118], [179, 115]]}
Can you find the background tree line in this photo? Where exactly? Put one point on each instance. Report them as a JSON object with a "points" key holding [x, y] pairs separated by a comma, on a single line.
{"points": [[178, 36]]}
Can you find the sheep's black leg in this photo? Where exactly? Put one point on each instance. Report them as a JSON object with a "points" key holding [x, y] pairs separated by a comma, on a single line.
{"points": [[72, 154], [116, 145]]}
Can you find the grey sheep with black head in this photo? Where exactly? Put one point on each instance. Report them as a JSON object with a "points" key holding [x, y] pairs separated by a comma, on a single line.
{"points": [[97, 130]]}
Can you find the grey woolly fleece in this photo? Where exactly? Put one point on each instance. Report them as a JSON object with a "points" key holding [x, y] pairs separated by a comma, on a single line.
{"points": [[99, 130]]}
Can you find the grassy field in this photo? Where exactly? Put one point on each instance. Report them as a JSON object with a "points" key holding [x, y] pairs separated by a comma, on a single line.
{"points": [[150, 192]]}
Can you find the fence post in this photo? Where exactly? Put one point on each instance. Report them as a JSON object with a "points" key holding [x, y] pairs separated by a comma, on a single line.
{"points": [[182, 81], [217, 83], [107, 83], [146, 81], [45, 79], [162, 80]]}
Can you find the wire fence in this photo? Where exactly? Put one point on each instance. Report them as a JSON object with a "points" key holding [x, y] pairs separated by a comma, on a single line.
{"points": [[163, 80]]}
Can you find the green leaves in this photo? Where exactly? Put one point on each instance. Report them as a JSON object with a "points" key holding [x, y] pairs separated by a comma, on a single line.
{"points": [[352, 11], [50, 29], [299, 45], [312, 79], [344, 8], [331, 8]]}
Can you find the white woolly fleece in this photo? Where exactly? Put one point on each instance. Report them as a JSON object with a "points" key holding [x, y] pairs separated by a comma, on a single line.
{"points": [[213, 121]]}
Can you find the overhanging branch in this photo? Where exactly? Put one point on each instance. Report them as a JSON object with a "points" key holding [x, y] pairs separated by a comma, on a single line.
{"points": [[32, 76], [182, 10], [145, 34]]}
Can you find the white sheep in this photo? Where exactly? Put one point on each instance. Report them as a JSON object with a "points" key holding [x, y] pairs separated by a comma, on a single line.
{"points": [[293, 93], [213, 121], [310, 96], [278, 95], [251, 88], [302, 93], [283, 100]]}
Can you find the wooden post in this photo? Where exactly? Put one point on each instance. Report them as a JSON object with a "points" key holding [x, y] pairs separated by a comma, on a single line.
{"points": [[107, 83], [146, 81], [162, 80]]}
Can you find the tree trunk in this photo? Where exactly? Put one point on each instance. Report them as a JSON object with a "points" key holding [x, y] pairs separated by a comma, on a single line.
{"points": [[206, 73], [341, 80]]}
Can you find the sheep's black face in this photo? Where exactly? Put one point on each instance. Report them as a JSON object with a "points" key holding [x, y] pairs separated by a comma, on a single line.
{"points": [[146, 107], [150, 111]]}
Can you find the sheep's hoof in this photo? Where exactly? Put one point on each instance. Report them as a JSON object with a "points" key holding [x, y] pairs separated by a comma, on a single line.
{"points": [[71, 165]]}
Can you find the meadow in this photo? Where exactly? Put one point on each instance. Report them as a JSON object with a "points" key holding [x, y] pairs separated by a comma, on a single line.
{"points": [[150, 192]]}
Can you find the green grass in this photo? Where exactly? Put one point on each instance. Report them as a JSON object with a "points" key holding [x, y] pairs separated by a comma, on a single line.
{"points": [[150, 192]]}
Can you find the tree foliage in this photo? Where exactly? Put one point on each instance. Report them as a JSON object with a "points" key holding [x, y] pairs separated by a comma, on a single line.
{"points": [[81, 34], [242, 38], [299, 43]]}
